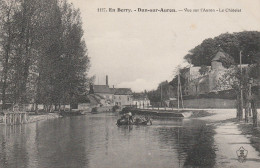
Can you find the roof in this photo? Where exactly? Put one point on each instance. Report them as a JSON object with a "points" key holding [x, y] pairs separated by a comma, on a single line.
{"points": [[102, 89], [140, 96], [221, 54], [141, 99], [123, 91]]}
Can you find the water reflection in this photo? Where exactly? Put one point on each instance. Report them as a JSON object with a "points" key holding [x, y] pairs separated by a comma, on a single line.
{"points": [[95, 141], [13, 146], [191, 140]]}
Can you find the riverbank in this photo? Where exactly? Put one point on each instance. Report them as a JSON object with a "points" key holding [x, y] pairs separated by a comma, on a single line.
{"points": [[230, 136], [39, 117], [246, 129]]}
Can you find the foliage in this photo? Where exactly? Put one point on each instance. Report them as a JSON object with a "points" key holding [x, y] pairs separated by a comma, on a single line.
{"points": [[164, 91], [203, 70], [42, 51], [248, 42]]}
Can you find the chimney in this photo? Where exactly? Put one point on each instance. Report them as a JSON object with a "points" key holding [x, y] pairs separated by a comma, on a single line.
{"points": [[106, 80]]}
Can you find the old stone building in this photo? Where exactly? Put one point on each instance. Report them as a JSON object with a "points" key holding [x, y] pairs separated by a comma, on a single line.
{"points": [[198, 83], [112, 96], [123, 96]]}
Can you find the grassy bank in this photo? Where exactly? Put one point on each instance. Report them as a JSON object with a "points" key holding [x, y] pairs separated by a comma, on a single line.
{"points": [[254, 134]]}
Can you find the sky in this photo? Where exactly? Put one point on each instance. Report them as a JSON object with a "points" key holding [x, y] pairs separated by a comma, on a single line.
{"points": [[139, 50]]}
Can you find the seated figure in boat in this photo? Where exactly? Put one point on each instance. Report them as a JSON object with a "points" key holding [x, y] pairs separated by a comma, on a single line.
{"points": [[127, 118]]}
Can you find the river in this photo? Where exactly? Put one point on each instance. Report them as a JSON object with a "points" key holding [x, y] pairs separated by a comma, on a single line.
{"points": [[94, 141]]}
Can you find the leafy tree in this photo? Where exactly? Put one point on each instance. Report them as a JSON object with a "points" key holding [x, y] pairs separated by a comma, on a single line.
{"points": [[203, 70], [232, 44], [7, 37], [43, 52]]}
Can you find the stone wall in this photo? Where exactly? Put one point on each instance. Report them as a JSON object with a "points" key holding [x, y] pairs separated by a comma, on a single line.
{"points": [[208, 103], [103, 109]]}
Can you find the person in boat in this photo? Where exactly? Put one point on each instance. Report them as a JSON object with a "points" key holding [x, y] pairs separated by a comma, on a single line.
{"points": [[128, 117], [131, 120]]}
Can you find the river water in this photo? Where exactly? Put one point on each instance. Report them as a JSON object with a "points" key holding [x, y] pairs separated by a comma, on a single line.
{"points": [[94, 141]]}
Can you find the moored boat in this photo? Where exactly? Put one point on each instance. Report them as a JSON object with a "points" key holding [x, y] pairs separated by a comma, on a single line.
{"points": [[137, 121]]}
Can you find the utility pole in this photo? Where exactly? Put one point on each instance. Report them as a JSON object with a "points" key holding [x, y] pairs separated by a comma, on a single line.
{"points": [[178, 90], [241, 91], [161, 94], [250, 95]]}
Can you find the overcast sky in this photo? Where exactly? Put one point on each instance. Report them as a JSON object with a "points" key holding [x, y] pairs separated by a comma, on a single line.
{"points": [[139, 50]]}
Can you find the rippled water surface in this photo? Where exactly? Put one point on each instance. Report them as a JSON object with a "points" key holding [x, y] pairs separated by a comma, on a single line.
{"points": [[95, 141]]}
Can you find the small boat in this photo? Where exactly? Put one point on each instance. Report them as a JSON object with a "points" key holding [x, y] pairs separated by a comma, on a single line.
{"points": [[137, 121]]}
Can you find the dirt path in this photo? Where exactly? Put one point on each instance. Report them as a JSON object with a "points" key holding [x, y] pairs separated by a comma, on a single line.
{"points": [[228, 139]]}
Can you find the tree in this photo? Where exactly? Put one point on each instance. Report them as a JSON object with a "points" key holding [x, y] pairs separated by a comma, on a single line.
{"points": [[7, 37], [43, 52], [238, 80], [232, 44]]}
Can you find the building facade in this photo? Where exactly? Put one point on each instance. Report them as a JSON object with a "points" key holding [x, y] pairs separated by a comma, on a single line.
{"points": [[210, 80], [112, 96], [123, 97], [141, 102]]}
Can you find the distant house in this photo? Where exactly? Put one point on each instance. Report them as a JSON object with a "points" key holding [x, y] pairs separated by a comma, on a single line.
{"points": [[111, 96], [140, 100], [103, 91], [123, 96]]}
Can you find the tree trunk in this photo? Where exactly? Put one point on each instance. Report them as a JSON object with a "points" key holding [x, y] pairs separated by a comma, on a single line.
{"points": [[254, 111], [250, 110], [246, 111], [239, 108], [6, 59], [247, 103]]}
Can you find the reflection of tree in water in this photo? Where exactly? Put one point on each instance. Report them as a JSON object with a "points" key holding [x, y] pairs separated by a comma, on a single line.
{"points": [[194, 143], [63, 143], [203, 150], [13, 151]]}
